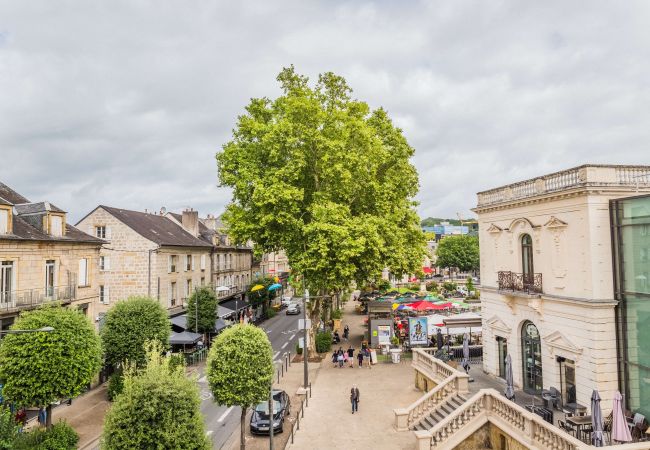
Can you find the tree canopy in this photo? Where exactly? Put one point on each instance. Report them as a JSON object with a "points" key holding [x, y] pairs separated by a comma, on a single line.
{"points": [[459, 251], [159, 407], [327, 179], [240, 368], [131, 323], [40, 368], [207, 303]]}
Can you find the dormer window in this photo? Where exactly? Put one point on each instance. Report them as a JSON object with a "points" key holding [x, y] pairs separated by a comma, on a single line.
{"points": [[56, 226], [4, 221], [100, 232]]}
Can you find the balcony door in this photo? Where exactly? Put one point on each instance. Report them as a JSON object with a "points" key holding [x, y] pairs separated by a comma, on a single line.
{"points": [[49, 278], [527, 269], [6, 281], [531, 349]]}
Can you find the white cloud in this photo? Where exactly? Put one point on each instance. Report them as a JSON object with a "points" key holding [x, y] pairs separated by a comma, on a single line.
{"points": [[126, 103]]}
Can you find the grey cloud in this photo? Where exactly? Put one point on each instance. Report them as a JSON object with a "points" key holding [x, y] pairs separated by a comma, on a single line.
{"points": [[126, 103]]}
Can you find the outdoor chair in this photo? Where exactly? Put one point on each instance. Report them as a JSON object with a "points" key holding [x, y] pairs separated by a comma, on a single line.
{"points": [[566, 427], [607, 426], [552, 397]]}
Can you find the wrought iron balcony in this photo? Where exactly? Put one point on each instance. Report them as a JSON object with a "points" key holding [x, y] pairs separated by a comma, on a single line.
{"points": [[520, 282], [28, 298]]}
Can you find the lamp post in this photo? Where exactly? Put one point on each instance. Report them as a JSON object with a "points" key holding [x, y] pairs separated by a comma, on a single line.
{"points": [[304, 338], [37, 330]]}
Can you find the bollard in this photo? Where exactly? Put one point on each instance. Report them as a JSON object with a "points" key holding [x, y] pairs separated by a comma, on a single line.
{"points": [[287, 361], [289, 358], [309, 389], [278, 372]]}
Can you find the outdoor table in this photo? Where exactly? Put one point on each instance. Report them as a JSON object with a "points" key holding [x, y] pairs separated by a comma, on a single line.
{"points": [[579, 422]]}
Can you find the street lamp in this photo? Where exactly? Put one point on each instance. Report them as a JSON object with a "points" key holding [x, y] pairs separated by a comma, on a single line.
{"points": [[37, 330], [304, 338]]}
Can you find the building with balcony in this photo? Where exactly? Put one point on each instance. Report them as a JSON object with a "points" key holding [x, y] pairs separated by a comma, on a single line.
{"points": [[548, 292], [150, 254], [43, 259]]}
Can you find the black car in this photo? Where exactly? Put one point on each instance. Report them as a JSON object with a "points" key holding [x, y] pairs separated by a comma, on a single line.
{"points": [[260, 417]]}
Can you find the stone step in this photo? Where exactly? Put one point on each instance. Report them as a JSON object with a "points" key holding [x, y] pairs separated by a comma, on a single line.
{"points": [[440, 413]]}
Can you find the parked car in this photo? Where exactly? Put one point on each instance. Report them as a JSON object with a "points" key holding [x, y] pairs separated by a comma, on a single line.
{"points": [[293, 308], [286, 301], [281, 410]]}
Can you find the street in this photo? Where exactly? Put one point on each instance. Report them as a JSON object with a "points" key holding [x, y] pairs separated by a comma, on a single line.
{"points": [[221, 421]]}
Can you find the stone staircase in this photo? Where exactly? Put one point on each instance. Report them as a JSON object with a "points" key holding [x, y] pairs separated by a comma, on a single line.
{"points": [[440, 412]]}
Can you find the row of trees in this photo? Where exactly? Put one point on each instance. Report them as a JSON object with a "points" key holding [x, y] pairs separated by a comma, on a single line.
{"points": [[460, 252]]}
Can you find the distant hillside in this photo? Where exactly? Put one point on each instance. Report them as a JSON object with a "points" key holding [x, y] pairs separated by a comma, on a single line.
{"points": [[431, 221]]}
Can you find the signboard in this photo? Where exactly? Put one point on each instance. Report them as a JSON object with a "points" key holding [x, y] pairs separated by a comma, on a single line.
{"points": [[418, 330], [301, 342], [301, 324], [384, 334]]}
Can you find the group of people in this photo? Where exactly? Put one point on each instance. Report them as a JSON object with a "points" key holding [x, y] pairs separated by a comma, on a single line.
{"points": [[346, 335], [343, 358]]}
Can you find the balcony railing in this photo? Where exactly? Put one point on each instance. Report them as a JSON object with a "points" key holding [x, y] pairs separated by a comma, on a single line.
{"points": [[34, 297], [520, 282]]}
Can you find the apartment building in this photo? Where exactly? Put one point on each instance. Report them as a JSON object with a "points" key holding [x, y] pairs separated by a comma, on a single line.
{"points": [[43, 258], [551, 296], [148, 254]]}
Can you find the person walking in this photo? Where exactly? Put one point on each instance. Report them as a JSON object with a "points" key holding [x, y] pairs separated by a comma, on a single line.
{"points": [[346, 332], [367, 356], [340, 358], [360, 358], [351, 356], [354, 398]]}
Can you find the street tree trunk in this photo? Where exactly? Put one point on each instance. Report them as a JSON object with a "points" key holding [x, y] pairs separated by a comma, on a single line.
{"points": [[242, 428], [48, 416]]}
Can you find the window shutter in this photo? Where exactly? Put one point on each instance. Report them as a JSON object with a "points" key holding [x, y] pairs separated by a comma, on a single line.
{"points": [[202, 262], [108, 233], [169, 265], [107, 263], [107, 298], [83, 274], [4, 221]]}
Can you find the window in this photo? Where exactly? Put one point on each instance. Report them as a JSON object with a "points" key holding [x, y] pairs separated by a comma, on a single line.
{"points": [[202, 262], [188, 289], [104, 263], [6, 282], [172, 294], [83, 272], [100, 232], [527, 258], [532, 358], [49, 277], [103, 295], [188, 262], [202, 281], [172, 263], [4, 221], [57, 225]]}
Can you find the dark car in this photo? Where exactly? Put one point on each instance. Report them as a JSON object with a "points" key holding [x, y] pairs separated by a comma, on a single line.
{"points": [[260, 417]]}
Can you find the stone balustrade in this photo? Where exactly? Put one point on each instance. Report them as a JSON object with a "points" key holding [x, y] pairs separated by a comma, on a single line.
{"points": [[488, 405]]}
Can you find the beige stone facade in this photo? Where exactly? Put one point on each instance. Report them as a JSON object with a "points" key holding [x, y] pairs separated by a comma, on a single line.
{"points": [[546, 260], [274, 263], [135, 264]]}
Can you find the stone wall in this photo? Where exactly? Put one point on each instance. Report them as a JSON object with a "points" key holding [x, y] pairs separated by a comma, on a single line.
{"points": [[490, 436]]}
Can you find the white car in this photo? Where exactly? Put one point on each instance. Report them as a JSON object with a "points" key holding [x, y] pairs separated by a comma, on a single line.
{"points": [[293, 308], [286, 301]]}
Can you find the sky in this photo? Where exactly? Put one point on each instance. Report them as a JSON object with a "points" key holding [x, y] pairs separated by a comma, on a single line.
{"points": [[125, 103]]}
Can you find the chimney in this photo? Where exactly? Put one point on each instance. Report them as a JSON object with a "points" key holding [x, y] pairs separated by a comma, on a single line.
{"points": [[210, 222], [190, 222]]}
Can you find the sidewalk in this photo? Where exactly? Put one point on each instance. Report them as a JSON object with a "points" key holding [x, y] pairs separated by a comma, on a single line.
{"points": [[329, 422]]}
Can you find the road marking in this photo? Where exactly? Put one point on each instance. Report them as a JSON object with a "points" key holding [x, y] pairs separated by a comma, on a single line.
{"points": [[223, 416], [276, 355], [284, 345], [292, 336]]}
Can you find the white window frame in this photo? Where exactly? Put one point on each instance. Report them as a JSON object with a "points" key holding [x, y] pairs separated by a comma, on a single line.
{"points": [[203, 258], [104, 297], [4, 221], [172, 294], [188, 263], [100, 231], [56, 224], [104, 263], [172, 264]]}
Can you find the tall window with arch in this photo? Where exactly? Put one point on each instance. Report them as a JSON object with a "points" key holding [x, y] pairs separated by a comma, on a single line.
{"points": [[527, 258]]}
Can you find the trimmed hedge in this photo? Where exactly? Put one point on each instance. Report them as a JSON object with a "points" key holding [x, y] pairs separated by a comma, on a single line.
{"points": [[323, 342]]}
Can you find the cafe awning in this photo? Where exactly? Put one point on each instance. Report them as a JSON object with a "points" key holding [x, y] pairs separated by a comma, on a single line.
{"points": [[184, 338]]}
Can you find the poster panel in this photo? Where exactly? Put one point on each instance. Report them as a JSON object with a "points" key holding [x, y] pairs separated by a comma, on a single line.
{"points": [[383, 334], [418, 330]]}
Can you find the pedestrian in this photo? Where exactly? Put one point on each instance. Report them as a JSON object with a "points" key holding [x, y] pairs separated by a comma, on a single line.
{"points": [[335, 358], [354, 398], [367, 356], [346, 332], [351, 356], [337, 338], [360, 358], [339, 358]]}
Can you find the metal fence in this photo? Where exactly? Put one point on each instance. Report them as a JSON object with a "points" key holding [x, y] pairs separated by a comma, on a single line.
{"points": [[34, 297]]}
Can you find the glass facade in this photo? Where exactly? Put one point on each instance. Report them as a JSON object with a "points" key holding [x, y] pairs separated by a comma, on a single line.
{"points": [[631, 248]]}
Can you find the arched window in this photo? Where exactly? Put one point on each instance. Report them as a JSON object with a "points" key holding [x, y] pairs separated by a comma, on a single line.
{"points": [[527, 258], [531, 350]]}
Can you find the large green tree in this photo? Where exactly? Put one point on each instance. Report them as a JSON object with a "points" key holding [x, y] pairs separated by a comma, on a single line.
{"points": [[459, 251], [327, 179], [240, 369], [131, 323], [202, 309], [40, 368], [159, 408]]}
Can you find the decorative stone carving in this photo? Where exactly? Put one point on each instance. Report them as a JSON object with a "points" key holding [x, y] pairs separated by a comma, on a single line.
{"points": [[494, 229], [582, 175], [536, 305], [540, 186], [559, 251], [499, 325], [557, 340]]}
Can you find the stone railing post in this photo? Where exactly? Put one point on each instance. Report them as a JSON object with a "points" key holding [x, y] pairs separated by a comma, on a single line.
{"points": [[462, 384], [401, 419], [423, 440]]}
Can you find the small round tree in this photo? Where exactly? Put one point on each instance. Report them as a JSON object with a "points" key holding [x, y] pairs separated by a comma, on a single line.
{"points": [[40, 368], [158, 408], [131, 323], [240, 369], [206, 315]]}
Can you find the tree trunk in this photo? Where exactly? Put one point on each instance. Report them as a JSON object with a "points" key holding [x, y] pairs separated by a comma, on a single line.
{"points": [[314, 316], [48, 416], [242, 428]]}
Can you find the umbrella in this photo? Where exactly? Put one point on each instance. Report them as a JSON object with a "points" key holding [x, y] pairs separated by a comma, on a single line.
{"points": [[510, 390], [466, 353], [597, 438], [222, 288], [398, 307], [439, 342], [620, 430], [275, 286], [257, 287]]}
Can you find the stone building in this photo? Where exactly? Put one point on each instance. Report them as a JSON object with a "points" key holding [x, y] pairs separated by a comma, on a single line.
{"points": [[274, 264], [232, 265], [149, 254], [548, 284], [43, 258]]}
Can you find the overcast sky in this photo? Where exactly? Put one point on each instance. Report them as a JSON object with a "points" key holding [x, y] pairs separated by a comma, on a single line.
{"points": [[126, 103]]}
